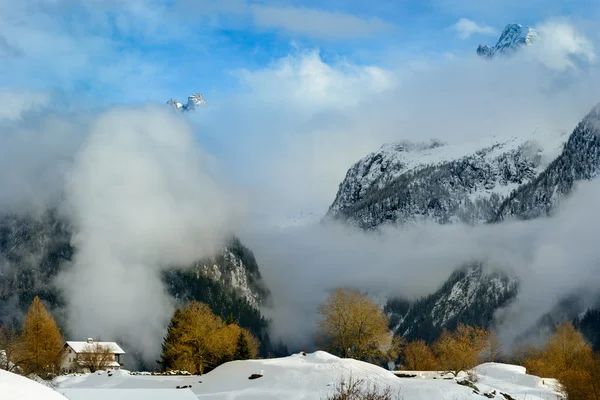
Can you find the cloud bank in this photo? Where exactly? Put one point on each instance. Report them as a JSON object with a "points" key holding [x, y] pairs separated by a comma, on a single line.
{"points": [[553, 258], [142, 195], [139, 195], [317, 23], [465, 28], [302, 121]]}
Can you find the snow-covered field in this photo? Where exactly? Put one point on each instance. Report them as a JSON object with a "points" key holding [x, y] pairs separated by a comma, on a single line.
{"points": [[313, 376], [17, 387]]}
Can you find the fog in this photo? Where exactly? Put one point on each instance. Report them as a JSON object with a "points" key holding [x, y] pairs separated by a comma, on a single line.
{"points": [[140, 196], [302, 121], [143, 194], [551, 257]]}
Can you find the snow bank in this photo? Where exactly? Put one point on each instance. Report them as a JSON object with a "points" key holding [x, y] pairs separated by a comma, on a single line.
{"points": [[315, 376], [129, 394], [17, 387]]}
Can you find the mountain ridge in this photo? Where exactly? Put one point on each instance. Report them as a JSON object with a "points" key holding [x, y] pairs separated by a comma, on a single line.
{"points": [[387, 186]]}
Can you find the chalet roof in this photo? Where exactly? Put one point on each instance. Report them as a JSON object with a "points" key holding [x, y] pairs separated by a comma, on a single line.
{"points": [[81, 347]]}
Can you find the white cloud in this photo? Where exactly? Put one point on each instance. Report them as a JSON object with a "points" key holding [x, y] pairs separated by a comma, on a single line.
{"points": [[560, 46], [141, 196], [317, 23], [465, 28], [17, 102], [300, 123], [552, 257], [297, 107]]}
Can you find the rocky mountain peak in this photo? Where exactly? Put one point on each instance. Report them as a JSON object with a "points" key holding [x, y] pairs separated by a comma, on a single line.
{"points": [[513, 37], [195, 100]]}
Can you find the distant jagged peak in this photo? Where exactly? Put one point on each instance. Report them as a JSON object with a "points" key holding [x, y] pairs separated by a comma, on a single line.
{"points": [[193, 101], [513, 37]]}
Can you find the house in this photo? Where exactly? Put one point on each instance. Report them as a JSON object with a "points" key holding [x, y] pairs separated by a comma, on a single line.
{"points": [[90, 356]]}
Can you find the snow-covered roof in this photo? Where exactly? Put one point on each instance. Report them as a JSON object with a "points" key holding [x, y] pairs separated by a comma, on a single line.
{"points": [[81, 347]]}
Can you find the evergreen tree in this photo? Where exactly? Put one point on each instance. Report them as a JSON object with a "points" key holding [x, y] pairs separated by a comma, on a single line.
{"points": [[167, 357], [41, 340], [242, 349]]}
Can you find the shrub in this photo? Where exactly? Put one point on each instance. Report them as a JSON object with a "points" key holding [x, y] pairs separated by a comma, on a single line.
{"points": [[358, 390]]}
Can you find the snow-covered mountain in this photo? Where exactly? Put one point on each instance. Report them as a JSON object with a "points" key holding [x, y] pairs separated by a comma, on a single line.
{"points": [[579, 160], [513, 37], [34, 249], [466, 182], [470, 295], [486, 181], [193, 101]]}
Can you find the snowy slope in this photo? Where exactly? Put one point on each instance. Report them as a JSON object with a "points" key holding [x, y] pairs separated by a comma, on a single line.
{"points": [[17, 387], [513, 37], [463, 182], [315, 376]]}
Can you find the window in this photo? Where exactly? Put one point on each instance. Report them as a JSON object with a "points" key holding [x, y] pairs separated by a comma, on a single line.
{"points": [[69, 351]]}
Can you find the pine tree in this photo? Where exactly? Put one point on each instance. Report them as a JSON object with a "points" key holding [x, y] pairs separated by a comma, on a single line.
{"points": [[242, 349], [41, 340], [229, 320], [167, 358]]}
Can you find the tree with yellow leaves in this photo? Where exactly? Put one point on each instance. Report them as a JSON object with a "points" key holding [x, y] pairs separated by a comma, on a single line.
{"points": [[419, 357], [460, 350], [493, 350], [198, 341], [41, 341], [10, 348], [568, 358], [352, 325]]}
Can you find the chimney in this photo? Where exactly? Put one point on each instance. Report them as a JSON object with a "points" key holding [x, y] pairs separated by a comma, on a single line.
{"points": [[90, 340]]}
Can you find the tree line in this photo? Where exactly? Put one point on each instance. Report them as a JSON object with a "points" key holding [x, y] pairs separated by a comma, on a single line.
{"points": [[351, 325]]}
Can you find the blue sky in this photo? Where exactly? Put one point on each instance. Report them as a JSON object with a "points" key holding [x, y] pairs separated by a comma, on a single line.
{"points": [[119, 52], [298, 91]]}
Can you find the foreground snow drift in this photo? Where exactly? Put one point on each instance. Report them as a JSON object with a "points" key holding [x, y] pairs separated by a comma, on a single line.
{"points": [[315, 376], [17, 387]]}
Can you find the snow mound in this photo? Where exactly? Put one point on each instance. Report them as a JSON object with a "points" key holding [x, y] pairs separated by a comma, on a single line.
{"points": [[17, 387], [513, 379], [312, 376]]}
